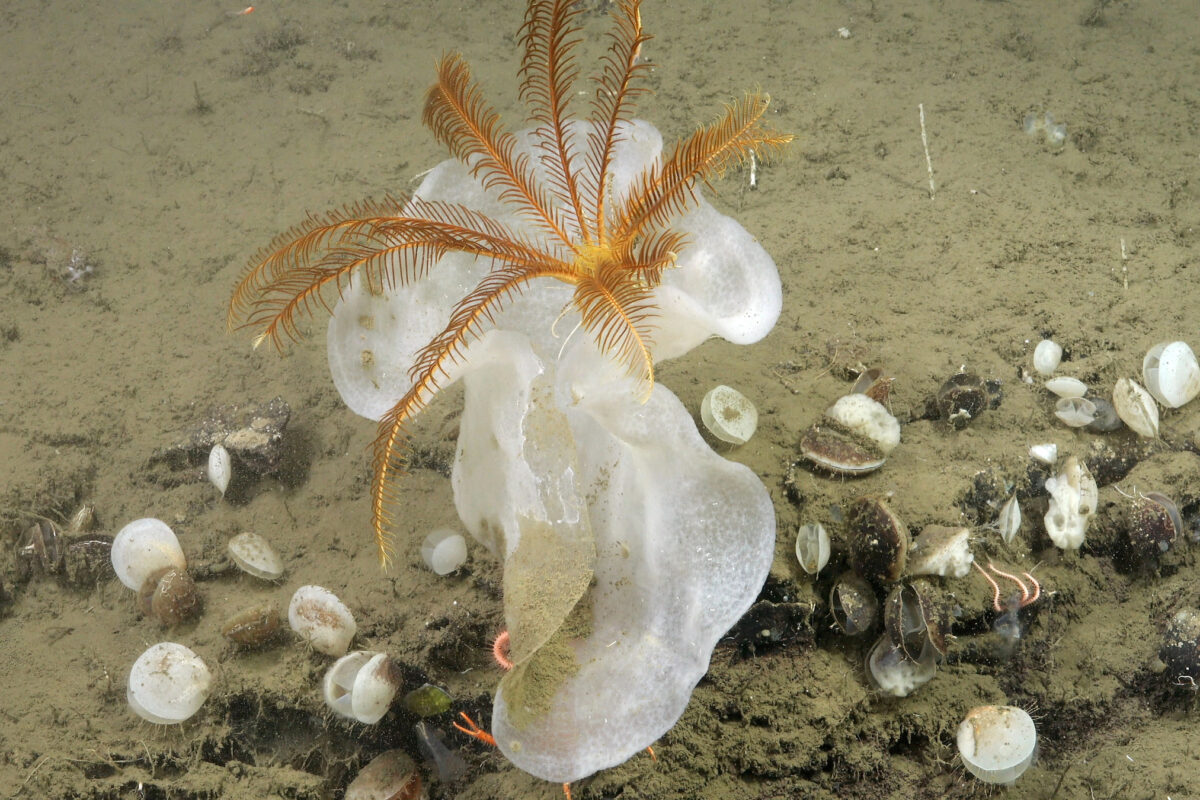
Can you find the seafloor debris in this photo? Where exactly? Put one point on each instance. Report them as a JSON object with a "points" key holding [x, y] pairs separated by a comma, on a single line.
{"points": [[253, 433]]}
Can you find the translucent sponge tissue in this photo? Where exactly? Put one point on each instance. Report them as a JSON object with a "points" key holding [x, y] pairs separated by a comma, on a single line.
{"points": [[637, 545]]}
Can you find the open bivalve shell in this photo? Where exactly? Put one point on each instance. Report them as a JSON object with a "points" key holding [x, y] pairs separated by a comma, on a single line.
{"points": [[143, 548], [894, 672], [361, 686], [1171, 373], [168, 684], [997, 743], [1136, 408], [854, 436], [322, 620], [729, 415], [255, 555]]}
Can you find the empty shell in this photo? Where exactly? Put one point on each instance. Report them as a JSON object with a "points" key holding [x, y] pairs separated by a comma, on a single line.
{"points": [[1171, 373], [444, 551], [255, 555], [220, 468], [997, 743], [1046, 357], [145, 547], [1136, 408], [1077, 412], [812, 547], [728, 415], [322, 620], [1067, 387], [1009, 521], [167, 684]]}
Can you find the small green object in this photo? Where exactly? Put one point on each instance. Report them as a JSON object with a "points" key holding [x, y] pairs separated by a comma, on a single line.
{"points": [[427, 701]]}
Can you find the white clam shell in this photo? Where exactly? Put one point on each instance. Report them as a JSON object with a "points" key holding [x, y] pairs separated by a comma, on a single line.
{"points": [[867, 417], [1046, 357], [1046, 453], [729, 415], [144, 547], [360, 686], [1076, 412], [812, 547], [220, 468], [1136, 408], [1067, 387], [168, 683], [255, 555], [321, 619], [997, 743], [1171, 373], [1009, 521], [444, 550]]}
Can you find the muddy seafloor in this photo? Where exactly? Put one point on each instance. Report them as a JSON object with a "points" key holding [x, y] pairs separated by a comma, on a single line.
{"points": [[147, 151]]}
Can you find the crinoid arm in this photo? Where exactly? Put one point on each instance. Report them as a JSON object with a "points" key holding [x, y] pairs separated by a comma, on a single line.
{"points": [[433, 365], [295, 249], [665, 191], [471, 130], [295, 275]]}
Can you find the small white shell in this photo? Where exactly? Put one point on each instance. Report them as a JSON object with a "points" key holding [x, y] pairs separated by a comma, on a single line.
{"points": [[322, 620], [997, 743], [360, 686], [255, 555], [1045, 453], [220, 468], [144, 547], [444, 550], [167, 684], [1136, 408], [1171, 373], [1067, 387], [1009, 521], [728, 415], [1076, 412], [1046, 357], [812, 547]]}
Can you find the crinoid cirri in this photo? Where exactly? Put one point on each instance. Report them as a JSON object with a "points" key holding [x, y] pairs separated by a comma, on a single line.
{"points": [[582, 200]]}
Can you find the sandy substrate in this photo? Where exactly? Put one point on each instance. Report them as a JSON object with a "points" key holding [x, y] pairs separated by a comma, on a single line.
{"points": [[148, 150]]}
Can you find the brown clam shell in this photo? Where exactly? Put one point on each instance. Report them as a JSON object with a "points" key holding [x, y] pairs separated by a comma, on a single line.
{"points": [[962, 398], [169, 596], [1154, 525], [835, 449], [853, 604], [879, 541], [915, 615], [1180, 651], [254, 626]]}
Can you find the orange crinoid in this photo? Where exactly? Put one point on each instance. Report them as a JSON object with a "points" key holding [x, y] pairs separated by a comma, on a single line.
{"points": [[612, 247]]}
